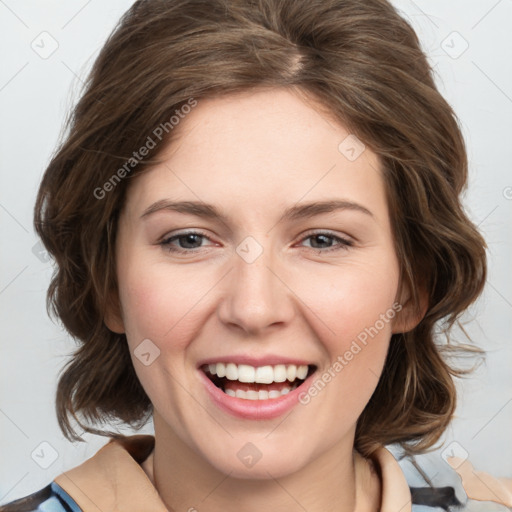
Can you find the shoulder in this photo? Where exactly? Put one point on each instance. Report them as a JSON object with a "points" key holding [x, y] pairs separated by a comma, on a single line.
{"points": [[51, 498], [106, 481], [437, 483]]}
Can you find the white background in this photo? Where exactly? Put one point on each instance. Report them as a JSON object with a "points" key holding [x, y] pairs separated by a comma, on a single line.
{"points": [[35, 95]]}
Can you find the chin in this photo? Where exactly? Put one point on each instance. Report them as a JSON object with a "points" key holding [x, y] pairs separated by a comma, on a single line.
{"points": [[258, 460]]}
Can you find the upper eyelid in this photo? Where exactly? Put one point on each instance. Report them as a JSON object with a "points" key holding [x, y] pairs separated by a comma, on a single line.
{"points": [[192, 231], [198, 231], [322, 231]]}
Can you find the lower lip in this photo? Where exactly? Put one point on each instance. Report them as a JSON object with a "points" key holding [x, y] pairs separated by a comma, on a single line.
{"points": [[255, 409]]}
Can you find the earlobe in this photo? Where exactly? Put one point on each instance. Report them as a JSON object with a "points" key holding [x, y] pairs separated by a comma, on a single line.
{"points": [[113, 318], [411, 314]]}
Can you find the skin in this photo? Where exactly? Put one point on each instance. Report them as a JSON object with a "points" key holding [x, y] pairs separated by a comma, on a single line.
{"points": [[253, 155]]}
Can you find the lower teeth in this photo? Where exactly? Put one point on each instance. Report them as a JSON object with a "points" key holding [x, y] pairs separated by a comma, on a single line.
{"points": [[258, 395]]}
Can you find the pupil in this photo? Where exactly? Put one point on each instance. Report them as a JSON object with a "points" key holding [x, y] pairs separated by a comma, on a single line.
{"points": [[189, 239], [324, 237]]}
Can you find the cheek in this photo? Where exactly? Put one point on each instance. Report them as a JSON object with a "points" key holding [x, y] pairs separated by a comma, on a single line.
{"points": [[161, 303], [356, 353], [352, 298], [353, 308], [142, 303]]}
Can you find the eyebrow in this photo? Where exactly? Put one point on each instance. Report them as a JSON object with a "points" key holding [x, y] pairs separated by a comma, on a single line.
{"points": [[294, 213]]}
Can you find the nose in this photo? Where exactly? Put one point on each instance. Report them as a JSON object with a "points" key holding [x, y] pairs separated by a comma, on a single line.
{"points": [[257, 296]]}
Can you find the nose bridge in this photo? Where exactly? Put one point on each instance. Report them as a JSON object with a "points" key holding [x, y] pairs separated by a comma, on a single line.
{"points": [[256, 296]]}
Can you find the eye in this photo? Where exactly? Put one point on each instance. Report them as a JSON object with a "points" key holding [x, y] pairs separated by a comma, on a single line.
{"points": [[320, 238], [189, 242]]}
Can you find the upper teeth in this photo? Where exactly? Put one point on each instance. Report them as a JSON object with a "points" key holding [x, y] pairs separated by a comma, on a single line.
{"points": [[260, 374]]}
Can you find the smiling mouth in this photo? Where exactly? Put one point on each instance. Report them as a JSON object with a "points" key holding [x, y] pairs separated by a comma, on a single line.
{"points": [[257, 382]]}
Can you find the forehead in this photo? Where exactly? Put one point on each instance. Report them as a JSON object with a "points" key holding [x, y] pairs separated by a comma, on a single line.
{"points": [[256, 149]]}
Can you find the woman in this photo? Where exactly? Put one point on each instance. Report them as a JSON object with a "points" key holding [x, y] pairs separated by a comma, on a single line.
{"points": [[256, 222]]}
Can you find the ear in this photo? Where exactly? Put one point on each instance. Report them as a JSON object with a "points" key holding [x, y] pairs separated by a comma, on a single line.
{"points": [[410, 315], [113, 317]]}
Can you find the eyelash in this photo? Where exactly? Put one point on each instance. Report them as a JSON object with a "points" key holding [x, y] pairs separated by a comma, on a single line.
{"points": [[344, 244]]}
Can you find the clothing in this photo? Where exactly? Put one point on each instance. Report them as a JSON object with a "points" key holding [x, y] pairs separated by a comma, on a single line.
{"points": [[114, 479]]}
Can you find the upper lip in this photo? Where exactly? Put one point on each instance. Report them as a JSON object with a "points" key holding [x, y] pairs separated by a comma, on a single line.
{"points": [[267, 360]]}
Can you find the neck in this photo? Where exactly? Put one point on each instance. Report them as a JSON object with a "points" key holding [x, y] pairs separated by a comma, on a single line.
{"points": [[339, 480]]}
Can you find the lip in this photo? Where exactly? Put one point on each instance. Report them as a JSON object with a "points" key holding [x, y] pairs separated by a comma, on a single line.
{"points": [[254, 409]]}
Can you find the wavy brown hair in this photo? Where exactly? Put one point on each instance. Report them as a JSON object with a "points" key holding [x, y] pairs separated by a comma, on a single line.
{"points": [[364, 65]]}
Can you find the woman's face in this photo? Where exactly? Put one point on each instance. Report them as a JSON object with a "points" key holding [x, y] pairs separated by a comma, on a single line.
{"points": [[276, 283]]}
